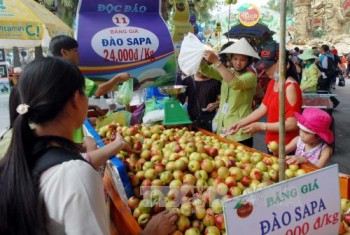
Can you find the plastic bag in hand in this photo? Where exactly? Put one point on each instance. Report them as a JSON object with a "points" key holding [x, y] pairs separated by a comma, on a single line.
{"points": [[191, 54], [214, 124], [125, 92]]}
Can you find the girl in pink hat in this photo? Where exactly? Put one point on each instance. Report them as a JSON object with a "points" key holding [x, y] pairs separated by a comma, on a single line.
{"points": [[313, 143]]}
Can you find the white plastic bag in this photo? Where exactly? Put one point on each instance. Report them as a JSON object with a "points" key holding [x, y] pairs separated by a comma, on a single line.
{"points": [[191, 54], [153, 116], [214, 124]]}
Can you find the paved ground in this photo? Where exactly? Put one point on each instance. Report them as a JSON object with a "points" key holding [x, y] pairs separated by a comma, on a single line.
{"points": [[342, 127], [341, 116]]}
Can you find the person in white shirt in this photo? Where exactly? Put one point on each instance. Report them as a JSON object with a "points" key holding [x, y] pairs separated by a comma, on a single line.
{"points": [[66, 197]]}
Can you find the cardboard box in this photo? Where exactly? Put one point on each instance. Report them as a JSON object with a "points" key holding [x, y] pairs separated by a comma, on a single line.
{"points": [[116, 162]]}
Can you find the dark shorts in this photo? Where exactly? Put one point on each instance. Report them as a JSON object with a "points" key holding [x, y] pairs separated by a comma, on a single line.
{"points": [[323, 83]]}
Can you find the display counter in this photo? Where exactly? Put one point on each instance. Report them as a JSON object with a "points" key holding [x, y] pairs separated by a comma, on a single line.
{"points": [[121, 215]]}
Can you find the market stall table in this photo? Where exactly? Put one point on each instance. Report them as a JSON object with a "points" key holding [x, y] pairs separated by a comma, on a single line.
{"points": [[119, 210], [316, 100]]}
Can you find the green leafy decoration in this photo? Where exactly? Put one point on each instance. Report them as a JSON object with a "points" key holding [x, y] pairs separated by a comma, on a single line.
{"points": [[167, 79], [244, 7], [170, 65], [239, 204]]}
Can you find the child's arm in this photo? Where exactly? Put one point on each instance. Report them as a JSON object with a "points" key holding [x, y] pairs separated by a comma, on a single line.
{"points": [[292, 145], [295, 159], [326, 153]]}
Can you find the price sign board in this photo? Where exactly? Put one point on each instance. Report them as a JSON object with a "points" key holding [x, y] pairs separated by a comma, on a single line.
{"points": [[125, 36], [308, 205]]}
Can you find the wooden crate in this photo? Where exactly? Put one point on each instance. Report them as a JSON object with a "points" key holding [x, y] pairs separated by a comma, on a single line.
{"points": [[121, 218], [344, 180], [344, 185], [228, 141]]}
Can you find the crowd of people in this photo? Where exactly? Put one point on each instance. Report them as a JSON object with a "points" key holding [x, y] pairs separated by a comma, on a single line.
{"points": [[238, 66], [50, 104]]}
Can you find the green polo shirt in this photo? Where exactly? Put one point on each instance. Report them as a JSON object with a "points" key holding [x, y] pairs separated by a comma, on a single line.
{"points": [[238, 94], [90, 89], [309, 78]]}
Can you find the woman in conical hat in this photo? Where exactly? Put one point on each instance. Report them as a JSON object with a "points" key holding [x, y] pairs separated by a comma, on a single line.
{"points": [[310, 72], [237, 88]]}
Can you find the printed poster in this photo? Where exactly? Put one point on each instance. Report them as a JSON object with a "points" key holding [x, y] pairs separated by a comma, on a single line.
{"points": [[181, 23], [309, 205], [125, 36]]}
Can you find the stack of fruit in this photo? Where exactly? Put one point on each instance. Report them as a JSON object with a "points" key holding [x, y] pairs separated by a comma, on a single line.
{"points": [[345, 215], [190, 171]]}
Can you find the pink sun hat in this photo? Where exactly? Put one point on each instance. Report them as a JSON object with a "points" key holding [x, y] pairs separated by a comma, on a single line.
{"points": [[316, 121]]}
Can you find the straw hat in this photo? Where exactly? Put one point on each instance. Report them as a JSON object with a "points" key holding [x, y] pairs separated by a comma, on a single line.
{"points": [[316, 121], [307, 54], [241, 47]]}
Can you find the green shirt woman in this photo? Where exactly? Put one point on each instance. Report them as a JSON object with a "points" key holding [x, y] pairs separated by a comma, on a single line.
{"points": [[310, 72], [237, 89]]}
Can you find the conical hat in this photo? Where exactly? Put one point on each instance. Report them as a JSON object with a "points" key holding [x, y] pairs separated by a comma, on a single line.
{"points": [[307, 54], [241, 47]]}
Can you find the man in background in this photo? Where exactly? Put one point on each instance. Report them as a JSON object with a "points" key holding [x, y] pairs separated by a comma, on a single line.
{"points": [[297, 62], [67, 48], [324, 65]]}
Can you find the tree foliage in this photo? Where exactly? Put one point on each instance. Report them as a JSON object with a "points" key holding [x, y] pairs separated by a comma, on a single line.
{"points": [[65, 9], [275, 5], [201, 8]]}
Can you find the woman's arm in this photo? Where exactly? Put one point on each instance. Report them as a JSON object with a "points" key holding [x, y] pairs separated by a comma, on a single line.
{"points": [[162, 223], [290, 125], [292, 99], [212, 106], [226, 74], [291, 95], [210, 71], [99, 156], [105, 87], [253, 117]]}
